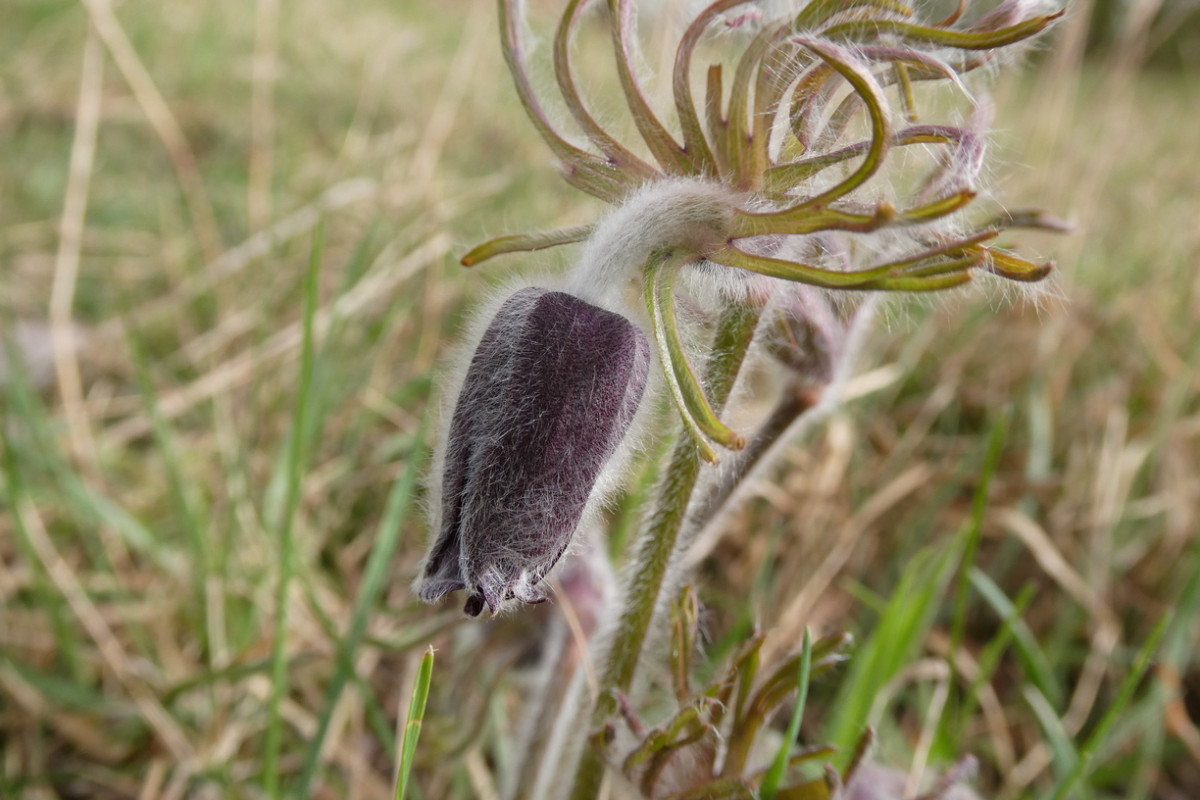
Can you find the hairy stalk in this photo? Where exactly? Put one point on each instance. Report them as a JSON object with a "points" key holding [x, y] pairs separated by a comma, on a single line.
{"points": [[656, 545], [796, 401]]}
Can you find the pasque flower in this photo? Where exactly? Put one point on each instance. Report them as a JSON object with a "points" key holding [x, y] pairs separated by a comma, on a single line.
{"points": [[551, 390], [779, 192]]}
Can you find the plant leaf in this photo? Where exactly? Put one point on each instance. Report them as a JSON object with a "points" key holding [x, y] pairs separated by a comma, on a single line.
{"points": [[525, 243]]}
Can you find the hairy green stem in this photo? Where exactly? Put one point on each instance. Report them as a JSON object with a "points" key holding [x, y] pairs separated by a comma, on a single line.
{"points": [[657, 544]]}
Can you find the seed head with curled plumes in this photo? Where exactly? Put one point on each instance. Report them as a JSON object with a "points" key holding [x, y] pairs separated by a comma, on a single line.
{"points": [[783, 190], [790, 192]]}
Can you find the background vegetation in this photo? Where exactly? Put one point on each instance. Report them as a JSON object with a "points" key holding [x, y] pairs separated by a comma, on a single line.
{"points": [[247, 218]]}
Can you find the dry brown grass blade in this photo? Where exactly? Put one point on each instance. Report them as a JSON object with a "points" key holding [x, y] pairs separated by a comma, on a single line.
{"points": [[284, 344], [87, 734], [346, 755], [117, 661], [795, 616], [70, 245], [264, 68], [1027, 770], [933, 717], [1107, 631], [158, 113], [579, 638], [480, 775], [1179, 722], [346, 725], [236, 259], [995, 719], [422, 167], [1052, 561], [152, 785]]}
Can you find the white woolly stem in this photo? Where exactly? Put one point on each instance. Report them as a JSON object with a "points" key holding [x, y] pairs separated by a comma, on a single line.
{"points": [[686, 215]]}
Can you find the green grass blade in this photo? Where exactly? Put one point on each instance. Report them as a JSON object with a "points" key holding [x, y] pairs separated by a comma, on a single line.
{"points": [[37, 451], [287, 556], [188, 510], [1063, 752], [989, 658], [770, 784], [901, 629], [376, 714], [14, 456], [1032, 658], [975, 530], [1115, 709], [412, 728], [399, 504]]}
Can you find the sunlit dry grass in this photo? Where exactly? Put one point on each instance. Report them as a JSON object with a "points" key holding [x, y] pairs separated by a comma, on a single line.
{"points": [[163, 176]]}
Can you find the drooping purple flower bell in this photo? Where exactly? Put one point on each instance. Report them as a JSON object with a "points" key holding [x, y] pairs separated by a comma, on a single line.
{"points": [[549, 394]]}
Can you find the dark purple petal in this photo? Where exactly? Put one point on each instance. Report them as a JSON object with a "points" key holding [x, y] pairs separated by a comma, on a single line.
{"points": [[443, 573], [550, 393]]}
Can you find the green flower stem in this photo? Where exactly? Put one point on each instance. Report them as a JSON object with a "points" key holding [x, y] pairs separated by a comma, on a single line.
{"points": [[657, 544]]}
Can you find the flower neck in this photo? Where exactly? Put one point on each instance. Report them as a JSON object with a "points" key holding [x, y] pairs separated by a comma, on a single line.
{"points": [[687, 214]]}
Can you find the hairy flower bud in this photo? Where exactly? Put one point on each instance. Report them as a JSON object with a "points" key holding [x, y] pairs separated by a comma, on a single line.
{"points": [[550, 393]]}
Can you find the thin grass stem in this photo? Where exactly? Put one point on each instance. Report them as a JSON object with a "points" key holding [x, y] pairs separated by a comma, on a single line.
{"points": [[287, 547], [412, 727], [1124, 695], [770, 784]]}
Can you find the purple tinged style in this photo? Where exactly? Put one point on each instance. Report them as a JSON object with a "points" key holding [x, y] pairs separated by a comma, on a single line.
{"points": [[549, 394]]}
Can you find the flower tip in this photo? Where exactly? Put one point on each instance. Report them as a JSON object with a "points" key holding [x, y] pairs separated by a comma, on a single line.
{"points": [[437, 589], [1036, 219], [1042, 271], [1016, 269], [474, 606], [478, 253], [439, 576], [492, 590]]}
